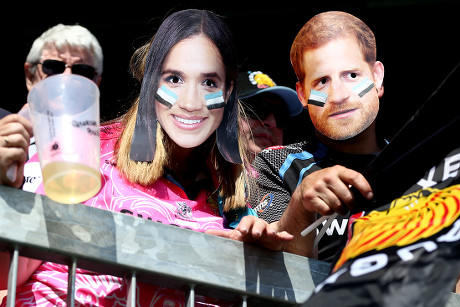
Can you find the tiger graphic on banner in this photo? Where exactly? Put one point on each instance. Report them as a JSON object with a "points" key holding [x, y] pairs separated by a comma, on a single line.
{"points": [[408, 219]]}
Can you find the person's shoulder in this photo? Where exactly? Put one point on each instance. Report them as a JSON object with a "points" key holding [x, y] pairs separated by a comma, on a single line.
{"points": [[4, 113], [284, 149], [275, 156]]}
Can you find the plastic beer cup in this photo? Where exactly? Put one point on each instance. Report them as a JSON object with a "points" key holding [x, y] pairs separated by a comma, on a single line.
{"points": [[64, 110]]}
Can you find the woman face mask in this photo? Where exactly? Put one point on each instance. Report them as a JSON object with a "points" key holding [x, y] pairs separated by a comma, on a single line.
{"points": [[189, 99]]}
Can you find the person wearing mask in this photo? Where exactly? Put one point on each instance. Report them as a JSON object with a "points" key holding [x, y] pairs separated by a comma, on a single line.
{"points": [[268, 108], [340, 82]]}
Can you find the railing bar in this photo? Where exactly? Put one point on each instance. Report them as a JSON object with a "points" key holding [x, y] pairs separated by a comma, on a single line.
{"points": [[13, 277], [70, 300], [132, 290], [190, 297], [244, 302]]}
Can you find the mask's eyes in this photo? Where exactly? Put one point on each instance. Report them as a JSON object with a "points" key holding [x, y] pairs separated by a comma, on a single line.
{"points": [[319, 84], [209, 83], [352, 76], [173, 79]]}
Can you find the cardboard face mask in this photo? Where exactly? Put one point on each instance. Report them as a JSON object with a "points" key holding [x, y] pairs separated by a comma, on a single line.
{"points": [[144, 138]]}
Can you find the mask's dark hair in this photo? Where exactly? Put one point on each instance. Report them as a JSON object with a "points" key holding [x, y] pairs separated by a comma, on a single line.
{"points": [[175, 28], [152, 143]]}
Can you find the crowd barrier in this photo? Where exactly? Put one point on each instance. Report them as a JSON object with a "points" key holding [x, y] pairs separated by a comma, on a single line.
{"points": [[34, 226]]}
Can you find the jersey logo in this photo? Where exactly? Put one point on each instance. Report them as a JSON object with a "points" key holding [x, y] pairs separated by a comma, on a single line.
{"points": [[184, 211], [264, 203]]}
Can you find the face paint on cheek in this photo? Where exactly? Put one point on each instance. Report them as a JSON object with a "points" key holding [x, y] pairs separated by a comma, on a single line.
{"points": [[363, 87], [317, 98], [166, 96], [214, 100]]}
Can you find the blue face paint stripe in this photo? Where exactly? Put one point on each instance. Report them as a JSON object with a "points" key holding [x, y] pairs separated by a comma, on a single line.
{"points": [[363, 87], [290, 158], [213, 95], [317, 98], [214, 100], [166, 96]]}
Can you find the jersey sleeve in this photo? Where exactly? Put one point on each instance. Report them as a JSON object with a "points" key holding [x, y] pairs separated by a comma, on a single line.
{"points": [[268, 195]]}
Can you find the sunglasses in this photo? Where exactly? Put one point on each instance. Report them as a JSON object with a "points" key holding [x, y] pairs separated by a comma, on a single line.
{"points": [[261, 109], [54, 67]]}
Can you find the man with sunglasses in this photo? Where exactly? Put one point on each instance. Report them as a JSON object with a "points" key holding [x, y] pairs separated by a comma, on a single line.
{"points": [[62, 49], [268, 108]]}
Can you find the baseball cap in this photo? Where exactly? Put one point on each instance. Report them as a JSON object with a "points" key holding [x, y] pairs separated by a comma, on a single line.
{"points": [[251, 83]]}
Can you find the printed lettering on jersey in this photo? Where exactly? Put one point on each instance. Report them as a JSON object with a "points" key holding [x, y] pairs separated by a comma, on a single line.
{"points": [[448, 169], [337, 227], [264, 203], [32, 175]]}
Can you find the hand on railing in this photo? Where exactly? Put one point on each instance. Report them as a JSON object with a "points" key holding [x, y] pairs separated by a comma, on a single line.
{"points": [[255, 230]]}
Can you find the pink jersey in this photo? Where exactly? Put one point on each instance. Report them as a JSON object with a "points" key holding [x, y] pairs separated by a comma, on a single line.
{"points": [[162, 201]]}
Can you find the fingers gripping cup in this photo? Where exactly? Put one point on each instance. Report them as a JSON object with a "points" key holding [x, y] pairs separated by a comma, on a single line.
{"points": [[65, 116]]}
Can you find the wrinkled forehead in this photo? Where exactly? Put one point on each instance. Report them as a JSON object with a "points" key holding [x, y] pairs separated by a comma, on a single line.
{"points": [[65, 52]]}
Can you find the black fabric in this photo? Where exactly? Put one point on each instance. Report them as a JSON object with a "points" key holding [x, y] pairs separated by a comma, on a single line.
{"points": [[402, 253], [4, 113]]}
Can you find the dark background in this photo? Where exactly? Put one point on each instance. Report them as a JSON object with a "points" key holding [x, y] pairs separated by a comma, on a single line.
{"points": [[418, 42]]}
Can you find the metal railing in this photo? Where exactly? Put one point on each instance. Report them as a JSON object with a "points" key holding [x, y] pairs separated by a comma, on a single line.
{"points": [[113, 243]]}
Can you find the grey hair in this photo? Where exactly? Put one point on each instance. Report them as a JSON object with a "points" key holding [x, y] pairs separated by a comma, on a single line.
{"points": [[72, 35]]}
